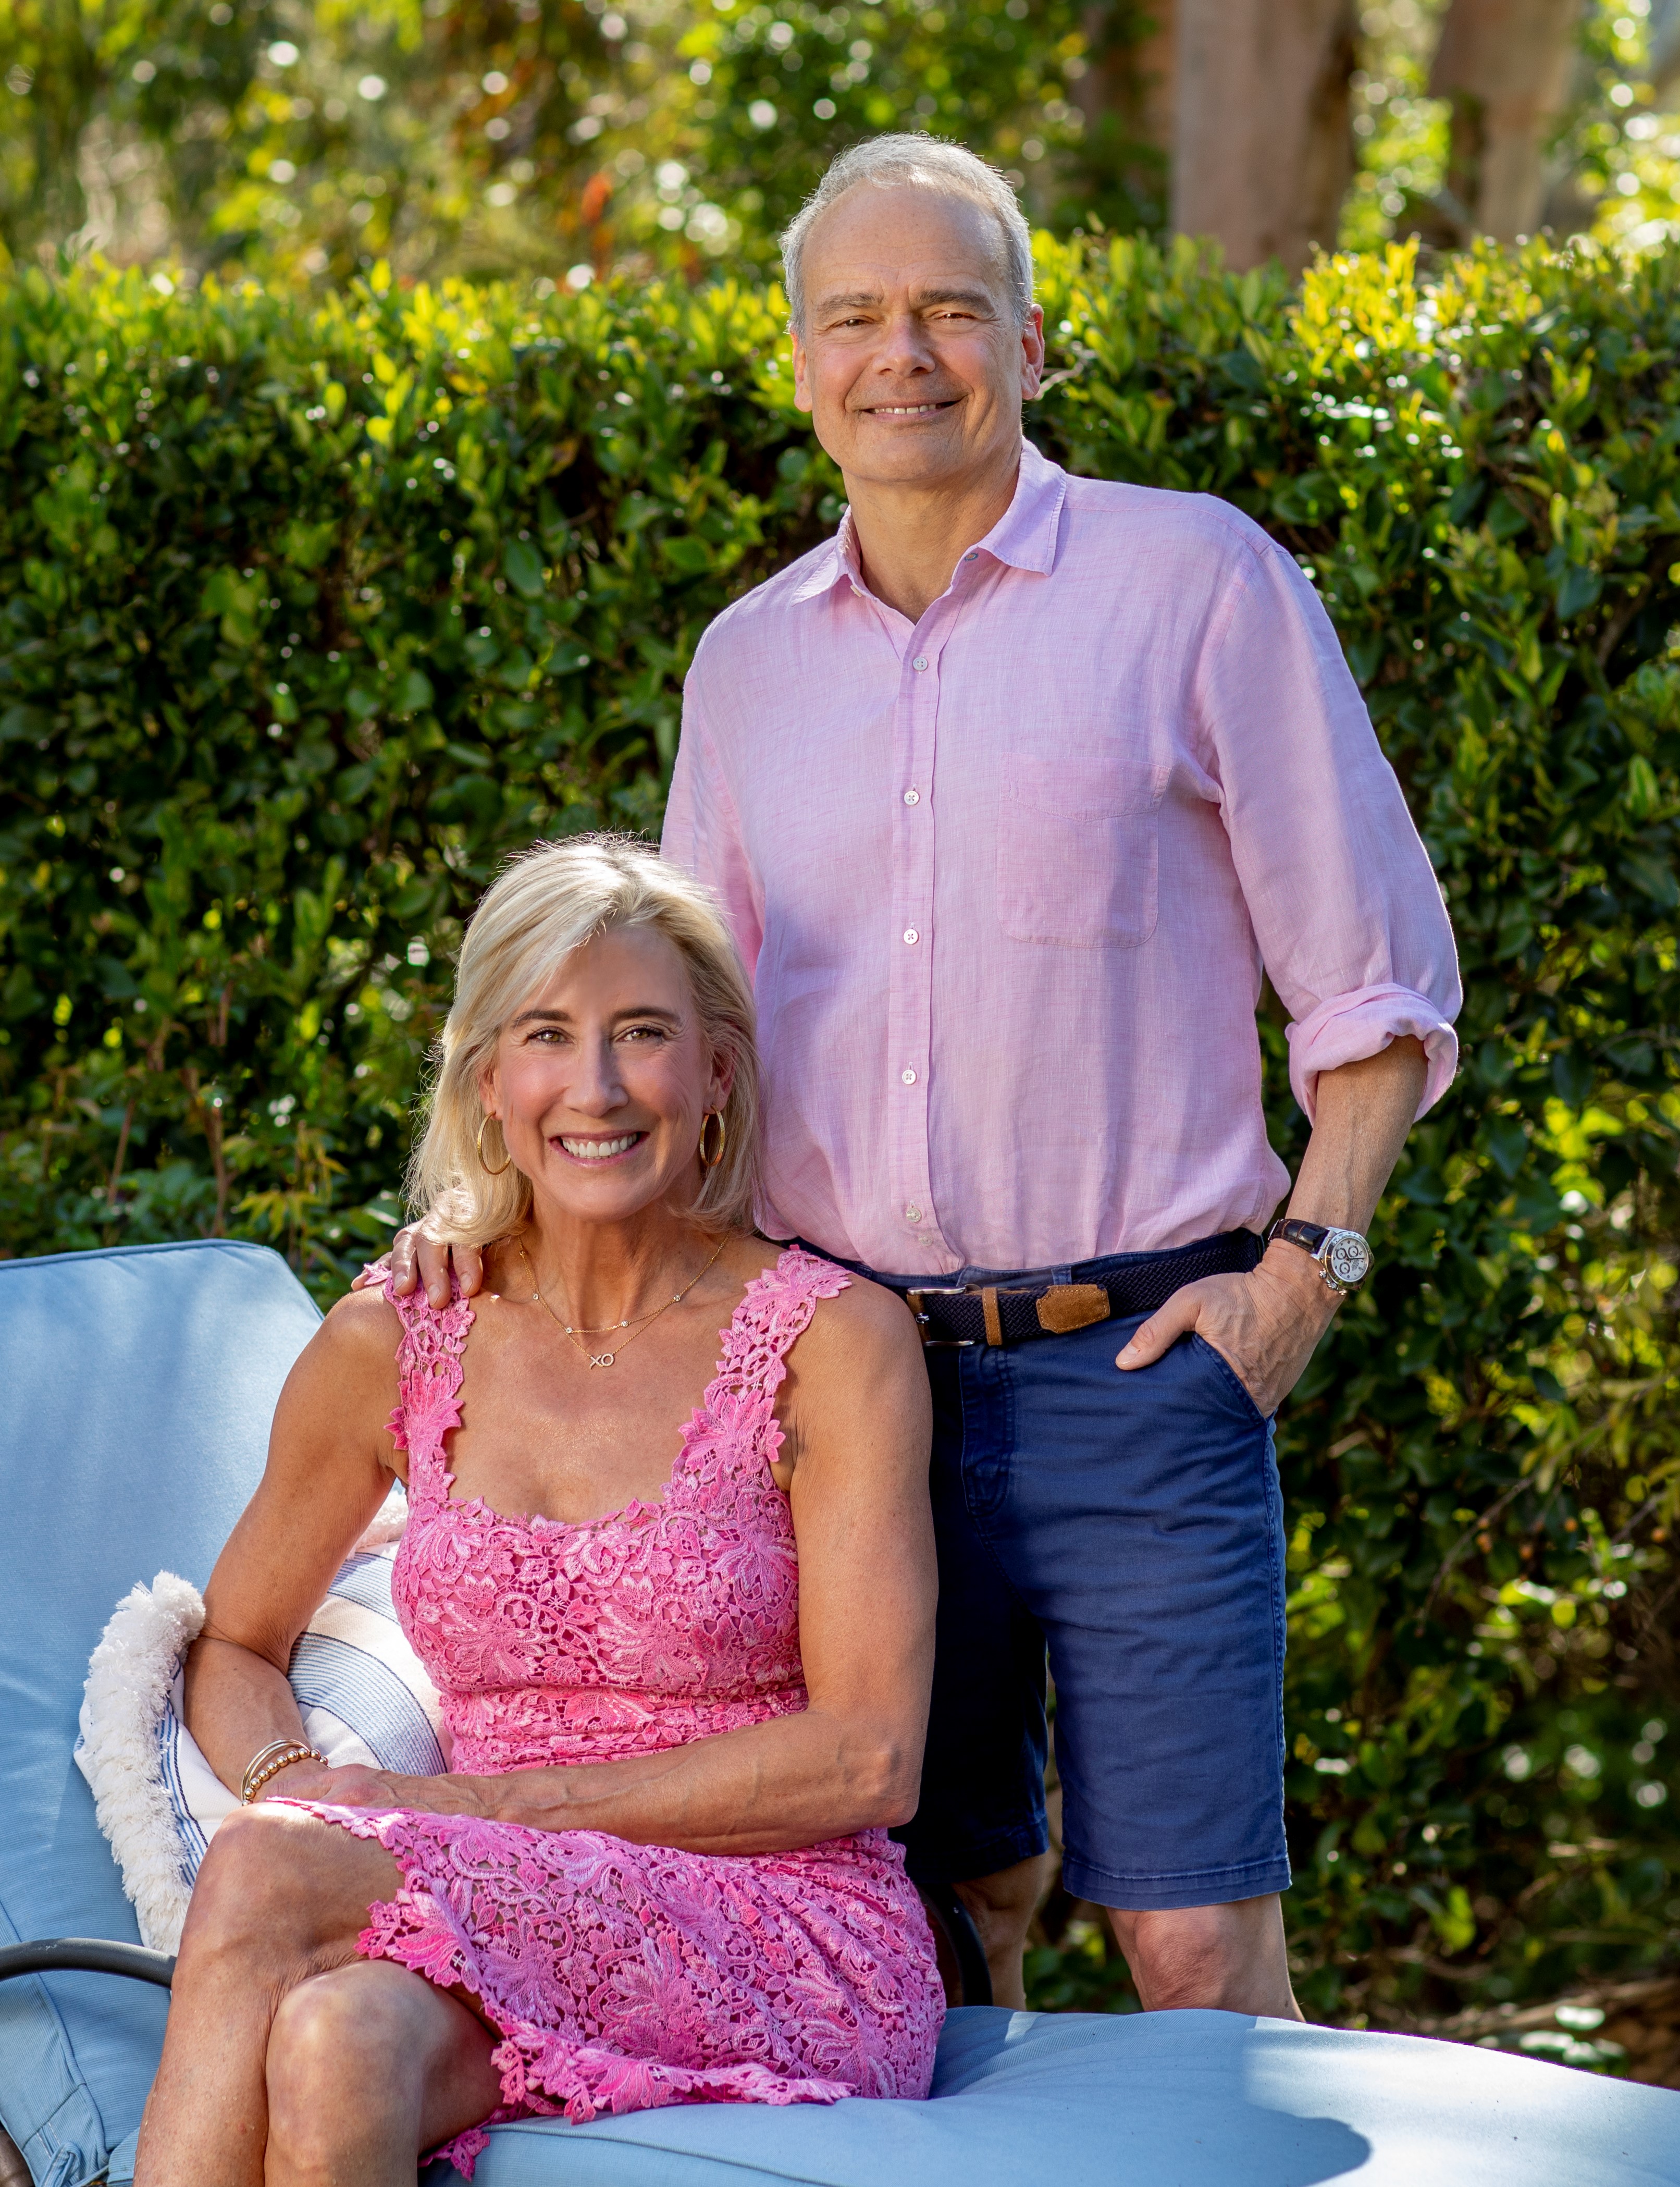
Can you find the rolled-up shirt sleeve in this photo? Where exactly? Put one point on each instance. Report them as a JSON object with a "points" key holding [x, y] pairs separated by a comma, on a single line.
{"points": [[1350, 919], [702, 831]]}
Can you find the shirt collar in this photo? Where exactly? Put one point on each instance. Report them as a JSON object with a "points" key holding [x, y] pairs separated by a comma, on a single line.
{"points": [[1023, 536], [834, 560]]}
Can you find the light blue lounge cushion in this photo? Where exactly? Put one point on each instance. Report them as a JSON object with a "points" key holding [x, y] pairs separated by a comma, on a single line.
{"points": [[1149, 2100], [1157, 2100], [139, 1386]]}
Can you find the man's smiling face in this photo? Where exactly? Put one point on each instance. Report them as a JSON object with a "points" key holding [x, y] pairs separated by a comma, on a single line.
{"points": [[911, 358]]}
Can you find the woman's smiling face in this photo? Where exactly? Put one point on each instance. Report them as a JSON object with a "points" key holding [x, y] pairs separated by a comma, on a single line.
{"points": [[601, 1078]]}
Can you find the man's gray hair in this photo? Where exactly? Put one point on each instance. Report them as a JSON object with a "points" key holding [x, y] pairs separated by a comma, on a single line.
{"points": [[927, 163]]}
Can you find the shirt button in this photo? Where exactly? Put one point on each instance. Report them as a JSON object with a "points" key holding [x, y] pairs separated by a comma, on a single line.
{"points": [[911, 935], [909, 1077], [913, 797], [919, 663], [913, 1213]]}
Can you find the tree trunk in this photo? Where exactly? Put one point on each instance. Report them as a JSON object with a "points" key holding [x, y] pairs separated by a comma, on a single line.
{"points": [[1262, 142], [1504, 65]]}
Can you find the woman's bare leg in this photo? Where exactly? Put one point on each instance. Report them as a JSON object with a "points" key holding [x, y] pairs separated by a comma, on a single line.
{"points": [[367, 2066], [281, 1897]]}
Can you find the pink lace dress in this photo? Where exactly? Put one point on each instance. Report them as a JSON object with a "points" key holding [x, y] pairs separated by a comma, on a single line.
{"points": [[622, 1976]]}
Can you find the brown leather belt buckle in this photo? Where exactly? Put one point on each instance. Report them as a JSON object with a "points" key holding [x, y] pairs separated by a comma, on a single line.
{"points": [[1067, 1307]]}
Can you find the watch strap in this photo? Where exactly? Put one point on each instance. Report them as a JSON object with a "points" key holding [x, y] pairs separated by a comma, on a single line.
{"points": [[1309, 1236]]}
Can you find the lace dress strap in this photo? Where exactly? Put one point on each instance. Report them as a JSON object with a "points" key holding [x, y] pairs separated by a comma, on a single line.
{"points": [[776, 1308], [429, 1374]]}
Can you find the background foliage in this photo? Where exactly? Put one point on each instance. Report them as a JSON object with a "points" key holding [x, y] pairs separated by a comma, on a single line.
{"points": [[313, 137], [311, 613], [504, 137]]}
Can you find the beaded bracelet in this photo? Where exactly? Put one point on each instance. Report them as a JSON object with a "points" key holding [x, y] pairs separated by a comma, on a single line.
{"points": [[274, 1747], [279, 1754]]}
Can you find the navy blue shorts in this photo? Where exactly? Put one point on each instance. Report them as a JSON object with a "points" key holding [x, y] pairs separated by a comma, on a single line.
{"points": [[1131, 1526]]}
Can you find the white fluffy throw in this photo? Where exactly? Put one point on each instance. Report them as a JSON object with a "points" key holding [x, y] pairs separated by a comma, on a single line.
{"points": [[130, 1676]]}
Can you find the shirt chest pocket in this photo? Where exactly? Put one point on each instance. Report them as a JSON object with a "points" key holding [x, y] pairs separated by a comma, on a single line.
{"points": [[1078, 849]]}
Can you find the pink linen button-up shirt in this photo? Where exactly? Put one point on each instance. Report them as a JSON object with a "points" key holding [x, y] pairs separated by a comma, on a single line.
{"points": [[1006, 880]]}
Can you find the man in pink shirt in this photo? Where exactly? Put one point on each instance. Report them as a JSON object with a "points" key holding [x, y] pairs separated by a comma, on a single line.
{"points": [[1010, 791]]}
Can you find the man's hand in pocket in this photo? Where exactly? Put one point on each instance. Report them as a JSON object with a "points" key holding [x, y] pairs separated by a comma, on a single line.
{"points": [[1265, 1325]]}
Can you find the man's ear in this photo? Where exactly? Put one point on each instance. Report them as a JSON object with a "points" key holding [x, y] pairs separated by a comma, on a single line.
{"points": [[802, 371], [1032, 353]]}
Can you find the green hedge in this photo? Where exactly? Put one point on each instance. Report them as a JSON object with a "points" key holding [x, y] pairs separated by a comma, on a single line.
{"points": [[310, 615]]}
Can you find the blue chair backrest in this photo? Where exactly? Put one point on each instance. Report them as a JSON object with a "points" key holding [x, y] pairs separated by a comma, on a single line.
{"points": [[138, 1386]]}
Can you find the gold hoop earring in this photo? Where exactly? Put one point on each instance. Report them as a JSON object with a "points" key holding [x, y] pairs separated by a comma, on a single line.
{"points": [[713, 1116], [508, 1160]]}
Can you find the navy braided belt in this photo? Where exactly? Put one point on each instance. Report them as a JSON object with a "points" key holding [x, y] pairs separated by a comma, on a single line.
{"points": [[1096, 1290]]}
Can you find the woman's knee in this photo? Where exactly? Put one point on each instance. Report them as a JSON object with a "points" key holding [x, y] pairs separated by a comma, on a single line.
{"points": [[332, 2027], [341, 2058], [246, 1881], [270, 1883]]}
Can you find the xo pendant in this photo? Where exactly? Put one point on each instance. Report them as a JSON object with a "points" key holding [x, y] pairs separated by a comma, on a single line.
{"points": [[601, 1358]]}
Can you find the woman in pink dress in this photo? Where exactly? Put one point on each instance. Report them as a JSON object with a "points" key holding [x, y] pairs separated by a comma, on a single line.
{"points": [[686, 1702]]}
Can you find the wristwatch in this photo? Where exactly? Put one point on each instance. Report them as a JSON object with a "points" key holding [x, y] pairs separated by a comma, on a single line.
{"points": [[1343, 1257]]}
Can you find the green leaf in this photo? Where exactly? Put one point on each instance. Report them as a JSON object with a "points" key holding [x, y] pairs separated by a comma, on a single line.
{"points": [[1652, 876], [522, 565], [1505, 518], [307, 546], [1643, 794], [1506, 1140], [687, 557], [1579, 591], [1573, 1074], [1364, 655]]}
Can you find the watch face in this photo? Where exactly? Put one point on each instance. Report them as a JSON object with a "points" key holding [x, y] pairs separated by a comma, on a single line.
{"points": [[1349, 1257]]}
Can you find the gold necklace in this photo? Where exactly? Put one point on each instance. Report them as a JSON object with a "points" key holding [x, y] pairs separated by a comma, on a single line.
{"points": [[577, 1334]]}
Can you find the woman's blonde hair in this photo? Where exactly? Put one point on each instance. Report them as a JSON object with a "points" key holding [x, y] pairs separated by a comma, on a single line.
{"points": [[545, 904]]}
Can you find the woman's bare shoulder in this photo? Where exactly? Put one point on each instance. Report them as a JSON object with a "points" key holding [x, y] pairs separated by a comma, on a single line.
{"points": [[856, 1386], [863, 1329], [356, 1343], [365, 1318]]}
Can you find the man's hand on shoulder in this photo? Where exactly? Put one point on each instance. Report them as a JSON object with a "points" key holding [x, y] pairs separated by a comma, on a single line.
{"points": [[1265, 1325], [415, 1260]]}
